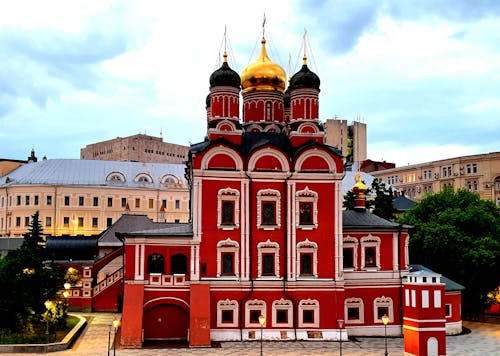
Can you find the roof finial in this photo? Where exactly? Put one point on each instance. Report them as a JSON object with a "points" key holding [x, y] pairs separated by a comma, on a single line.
{"points": [[305, 47], [225, 38], [264, 26]]}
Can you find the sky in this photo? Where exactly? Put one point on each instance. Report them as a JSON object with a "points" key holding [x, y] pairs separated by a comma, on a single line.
{"points": [[423, 75]]}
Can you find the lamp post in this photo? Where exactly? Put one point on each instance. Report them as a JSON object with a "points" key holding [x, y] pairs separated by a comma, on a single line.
{"points": [[109, 337], [385, 320], [341, 323], [48, 305], [116, 325], [66, 293], [262, 321]]}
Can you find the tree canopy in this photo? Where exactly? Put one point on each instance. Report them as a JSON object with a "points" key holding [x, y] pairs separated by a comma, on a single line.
{"points": [[457, 234]]}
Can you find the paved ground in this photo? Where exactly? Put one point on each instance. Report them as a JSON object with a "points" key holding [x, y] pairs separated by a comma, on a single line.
{"points": [[483, 340]]}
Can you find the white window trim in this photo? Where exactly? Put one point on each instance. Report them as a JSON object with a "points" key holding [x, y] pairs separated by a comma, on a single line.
{"points": [[451, 310], [228, 194], [227, 304], [273, 196], [307, 247], [308, 304], [230, 246], [306, 196], [282, 304], [383, 302], [254, 304], [268, 247], [351, 242], [370, 241], [354, 303]]}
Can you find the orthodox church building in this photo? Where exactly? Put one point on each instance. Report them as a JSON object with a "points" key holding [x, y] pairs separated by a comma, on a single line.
{"points": [[269, 247]]}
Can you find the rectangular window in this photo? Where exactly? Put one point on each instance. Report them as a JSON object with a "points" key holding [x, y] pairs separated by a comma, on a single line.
{"points": [[35, 200], [268, 264], [352, 313], [164, 203], [18, 200], [227, 213], [437, 299], [18, 221], [348, 257], [80, 221], [48, 221], [137, 202], [413, 298], [95, 222], [124, 202], [110, 202], [474, 167], [66, 221], [150, 203], [81, 201], [227, 264], [177, 204], [281, 316], [177, 221], [381, 311], [370, 257], [308, 316], [306, 264], [425, 299], [109, 222], [26, 221], [447, 310], [254, 316], [95, 201], [27, 200], [407, 297], [48, 199], [66, 200], [305, 213], [227, 317], [268, 213]]}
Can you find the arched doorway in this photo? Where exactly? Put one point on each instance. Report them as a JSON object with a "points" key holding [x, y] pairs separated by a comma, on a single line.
{"points": [[432, 347], [166, 322]]}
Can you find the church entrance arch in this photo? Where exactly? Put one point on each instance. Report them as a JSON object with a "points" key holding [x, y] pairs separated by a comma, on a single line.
{"points": [[166, 321]]}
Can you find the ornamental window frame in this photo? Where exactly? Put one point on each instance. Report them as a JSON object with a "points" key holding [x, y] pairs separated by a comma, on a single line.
{"points": [[306, 196], [282, 305], [143, 178], [254, 305], [350, 242], [227, 305], [273, 196], [310, 248], [386, 303], [228, 195], [267, 248], [354, 303], [309, 305], [370, 241], [232, 247]]}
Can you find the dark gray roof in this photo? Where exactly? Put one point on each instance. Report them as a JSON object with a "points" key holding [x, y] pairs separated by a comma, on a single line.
{"points": [[92, 173], [9, 243], [402, 203], [130, 224], [364, 219], [449, 285], [81, 248]]}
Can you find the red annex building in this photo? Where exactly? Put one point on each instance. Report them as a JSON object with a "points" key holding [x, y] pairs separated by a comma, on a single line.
{"points": [[268, 235]]}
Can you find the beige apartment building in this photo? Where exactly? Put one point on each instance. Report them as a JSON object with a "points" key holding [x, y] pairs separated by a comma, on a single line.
{"points": [[477, 173], [84, 197], [350, 138], [136, 148]]}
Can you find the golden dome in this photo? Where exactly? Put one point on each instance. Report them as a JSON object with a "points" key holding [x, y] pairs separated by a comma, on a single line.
{"points": [[263, 74], [359, 188]]}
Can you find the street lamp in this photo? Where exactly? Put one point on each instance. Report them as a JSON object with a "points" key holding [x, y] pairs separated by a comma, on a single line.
{"points": [[262, 321], [66, 293], [341, 323], [48, 305], [116, 325], [109, 336], [385, 320]]}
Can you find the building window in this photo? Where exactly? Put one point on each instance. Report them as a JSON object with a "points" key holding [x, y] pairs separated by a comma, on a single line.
{"points": [[26, 221], [178, 264], [268, 259], [268, 209], [156, 263], [18, 221], [350, 253], [227, 313], [35, 200], [306, 207], [425, 298], [382, 306], [354, 310], [307, 259], [447, 310], [348, 257], [27, 200], [137, 202], [124, 202], [80, 221], [110, 202], [48, 199], [308, 313], [150, 203], [282, 313], [370, 252], [95, 222], [66, 200], [18, 200], [81, 201], [66, 221], [228, 208], [253, 309], [437, 299], [48, 221], [95, 201], [268, 111], [164, 203], [109, 222], [177, 204], [227, 258]]}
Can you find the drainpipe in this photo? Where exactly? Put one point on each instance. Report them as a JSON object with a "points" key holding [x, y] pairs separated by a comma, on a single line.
{"points": [[400, 228]]}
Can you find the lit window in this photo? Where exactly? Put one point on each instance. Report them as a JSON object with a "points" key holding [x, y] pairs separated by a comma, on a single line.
{"points": [[150, 203], [80, 221]]}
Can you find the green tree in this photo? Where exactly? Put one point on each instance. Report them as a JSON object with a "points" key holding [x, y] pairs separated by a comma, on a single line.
{"points": [[27, 282], [381, 205], [457, 234]]}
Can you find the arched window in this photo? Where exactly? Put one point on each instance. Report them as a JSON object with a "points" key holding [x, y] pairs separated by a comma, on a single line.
{"points": [[178, 264], [156, 263], [269, 111]]}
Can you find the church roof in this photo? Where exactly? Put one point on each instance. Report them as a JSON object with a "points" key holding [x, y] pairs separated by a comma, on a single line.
{"points": [[131, 224], [352, 219], [449, 285]]}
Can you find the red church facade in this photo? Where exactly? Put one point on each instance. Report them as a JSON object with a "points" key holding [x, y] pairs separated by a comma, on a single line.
{"points": [[268, 236]]}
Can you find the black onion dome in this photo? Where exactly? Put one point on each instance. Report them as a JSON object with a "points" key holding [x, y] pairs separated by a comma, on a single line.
{"points": [[304, 78], [225, 76]]}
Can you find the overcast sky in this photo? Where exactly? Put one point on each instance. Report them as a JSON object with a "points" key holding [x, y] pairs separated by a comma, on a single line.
{"points": [[423, 75]]}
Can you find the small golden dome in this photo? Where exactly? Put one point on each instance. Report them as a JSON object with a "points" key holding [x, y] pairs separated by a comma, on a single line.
{"points": [[263, 74], [359, 188]]}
